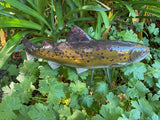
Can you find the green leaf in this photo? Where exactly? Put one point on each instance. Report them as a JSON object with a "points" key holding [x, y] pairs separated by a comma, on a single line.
{"points": [[139, 26], [105, 19], [14, 22], [8, 90], [108, 112], [145, 41], [138, 89], [85, 8], [137, 69], [77, 115], [9, 47], [72, 75], [144, 107], [27, 10], [47, 72], [84, 75], [43, 87], [23, 113], [64, 112], [74, 101], [131, 10], [101, 90], [154, 101], [30, 66], [153, 30], [113, 100], [87, 100], [59, 14], [129, 35], [79, 88], [134, 114], [41, 112], [24, 89], [156, 70], [93, 8], [7, 108], [56, 91]]}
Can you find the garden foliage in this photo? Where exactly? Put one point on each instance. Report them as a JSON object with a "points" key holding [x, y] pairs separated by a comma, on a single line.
{"points": [[32, 90]]}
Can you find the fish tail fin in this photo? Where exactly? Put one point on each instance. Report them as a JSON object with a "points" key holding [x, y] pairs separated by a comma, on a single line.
{"points": [[29, 46]]}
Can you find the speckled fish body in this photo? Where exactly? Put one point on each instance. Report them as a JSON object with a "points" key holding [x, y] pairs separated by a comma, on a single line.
{"points": [[91, 53]]}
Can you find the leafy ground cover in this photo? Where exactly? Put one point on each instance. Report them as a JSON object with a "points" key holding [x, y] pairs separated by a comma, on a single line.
{"points": [[32, 90]]}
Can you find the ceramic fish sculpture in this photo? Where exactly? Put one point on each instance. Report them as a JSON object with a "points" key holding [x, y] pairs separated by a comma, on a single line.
{"points": [[84, 53]]}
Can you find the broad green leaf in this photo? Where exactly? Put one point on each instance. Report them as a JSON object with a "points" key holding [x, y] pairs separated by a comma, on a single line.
{"points": [[77, 115], [139, 26], [108, 112], [64, 112], [47, 72], [137, 70], [56, 91], [8, 107], [23, 113], [154, 101], [144, 107], [79, 88], [87, 100], [153, 30], [134, 114], [24, 89], [156, 70], [41, 112], [13, 71], [8, 90], [9, 47], [129, 35], [31, 67], [72, 75], [43, 87], [138, 89], [27, 10]]}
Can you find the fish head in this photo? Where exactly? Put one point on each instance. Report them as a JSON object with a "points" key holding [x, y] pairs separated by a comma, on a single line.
{"points": [[138, 53]]}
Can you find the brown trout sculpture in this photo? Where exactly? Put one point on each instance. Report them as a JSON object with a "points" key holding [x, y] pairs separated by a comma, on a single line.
{"points": [[84, 53]]}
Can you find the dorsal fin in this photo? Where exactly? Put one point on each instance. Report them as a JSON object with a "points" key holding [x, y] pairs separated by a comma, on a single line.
{"points": [[77, 34]]}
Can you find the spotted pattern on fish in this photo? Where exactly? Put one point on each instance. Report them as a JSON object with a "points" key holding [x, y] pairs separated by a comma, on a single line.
{"points": [[78, 55], [82, 51]]}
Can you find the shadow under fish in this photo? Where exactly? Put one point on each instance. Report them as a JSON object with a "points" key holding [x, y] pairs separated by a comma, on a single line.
{"points": [[84, 53]]}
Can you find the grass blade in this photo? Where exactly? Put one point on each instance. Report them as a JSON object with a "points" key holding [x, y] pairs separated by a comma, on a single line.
{"points": [[14, 22], [131, 10], [10, 46], [59, 14], [105, 18], [27, 10]]}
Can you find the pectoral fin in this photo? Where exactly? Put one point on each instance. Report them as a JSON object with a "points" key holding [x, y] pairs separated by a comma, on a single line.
{"points": [[53, 65], [81, 70], [29, 56]]}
